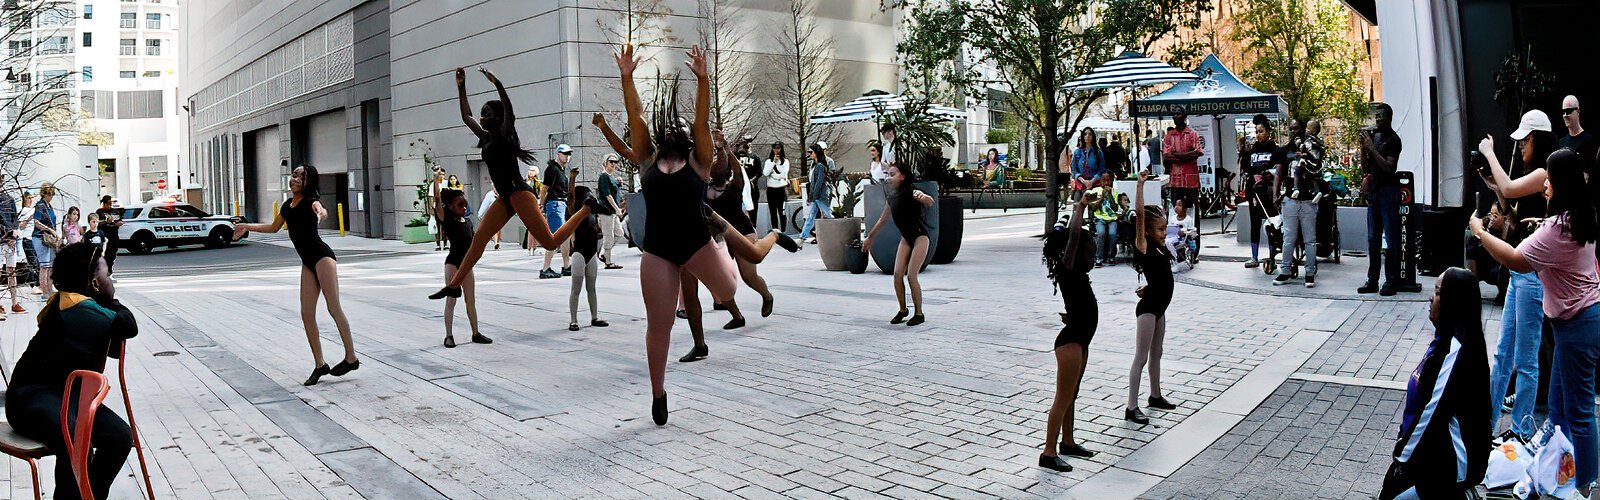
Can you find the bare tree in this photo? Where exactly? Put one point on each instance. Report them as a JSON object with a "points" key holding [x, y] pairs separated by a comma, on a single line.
{"points": [[733, 82], [646, 24], [805, 78], [36, 113]]}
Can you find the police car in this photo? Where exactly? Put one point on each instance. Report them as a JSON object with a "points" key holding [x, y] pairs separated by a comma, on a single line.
{"points": [[171, 224]]}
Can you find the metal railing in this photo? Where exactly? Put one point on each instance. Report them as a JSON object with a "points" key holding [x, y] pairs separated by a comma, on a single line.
{"points": [[128, 50]]}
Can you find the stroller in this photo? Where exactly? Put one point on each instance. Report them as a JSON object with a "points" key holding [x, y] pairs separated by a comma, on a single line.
{"points": [[1337, 186], [1261, 195]]}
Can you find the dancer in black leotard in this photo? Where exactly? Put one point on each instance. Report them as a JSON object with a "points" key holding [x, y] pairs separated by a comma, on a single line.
{"points": [[907, 207], [585, 264], [457, 231], [1069, 255], [677, 160], [724, 196], [319, 270], [496, 130], [1155, 263]]}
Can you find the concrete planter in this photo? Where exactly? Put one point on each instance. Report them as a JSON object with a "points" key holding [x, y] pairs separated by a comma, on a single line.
{"points": [[832, 237], [416, 234]]}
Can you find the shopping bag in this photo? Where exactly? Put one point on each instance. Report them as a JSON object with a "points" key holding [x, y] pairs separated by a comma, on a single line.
{"points": [[1508, 464], [1553, 468], [433, 226]]}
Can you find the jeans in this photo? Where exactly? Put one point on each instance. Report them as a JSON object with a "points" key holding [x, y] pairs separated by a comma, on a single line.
{"points": [[1299, 221], [555, 214], [1383, 222], [1105, 240], [1517, 357], [817, 209], [1572, 387]]}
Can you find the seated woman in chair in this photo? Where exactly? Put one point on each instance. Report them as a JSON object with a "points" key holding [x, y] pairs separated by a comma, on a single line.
{"points": [[79, 327]]}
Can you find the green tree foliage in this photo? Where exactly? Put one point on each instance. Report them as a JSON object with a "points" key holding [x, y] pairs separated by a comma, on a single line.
{"points": [[1301, 52], [1036, 46]]}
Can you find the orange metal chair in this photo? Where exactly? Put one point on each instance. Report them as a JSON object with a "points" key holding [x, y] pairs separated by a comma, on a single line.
{"points": [[91, 391], [122, 378]]}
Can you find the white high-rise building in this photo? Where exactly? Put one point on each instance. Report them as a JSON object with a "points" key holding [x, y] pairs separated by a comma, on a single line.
{"points": [[123, 58]]}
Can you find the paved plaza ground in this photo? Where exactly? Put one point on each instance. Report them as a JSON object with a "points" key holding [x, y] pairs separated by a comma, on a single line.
{"points": [[1283, 392]]}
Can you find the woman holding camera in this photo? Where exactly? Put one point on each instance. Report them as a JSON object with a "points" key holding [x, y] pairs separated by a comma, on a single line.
{"points": [[1561, 250], [1523, 320]]}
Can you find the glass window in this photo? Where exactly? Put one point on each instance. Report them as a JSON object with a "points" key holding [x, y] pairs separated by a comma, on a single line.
{"points": [[152, 74], [163, 212], [88, 74], [88, 39], [129, 47], [152, 21], [189, 211], [128, 74], [152, 47], [130, 20], [131, 213], [88, 11]]}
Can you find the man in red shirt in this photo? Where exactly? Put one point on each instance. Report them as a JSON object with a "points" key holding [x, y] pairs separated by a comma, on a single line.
{"points": [[1180, 152]]}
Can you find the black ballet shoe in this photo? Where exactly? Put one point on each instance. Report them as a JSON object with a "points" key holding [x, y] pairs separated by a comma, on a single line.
{"points": [[572, 327], [682, 314], [317, 374], [915, 320], [453, 292], [1055, 463], [698, 353], [450, 341], [786, 242], [899, 318], [766, 307], [1075, 450], [345, 367], [1160, 403], [599, 323], [734, 324], [1135, 416], [658, 409], [478, 338]]}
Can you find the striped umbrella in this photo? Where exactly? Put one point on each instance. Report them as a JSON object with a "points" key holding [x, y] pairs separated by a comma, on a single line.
{"points": [[1131, 69], [867, 107]]}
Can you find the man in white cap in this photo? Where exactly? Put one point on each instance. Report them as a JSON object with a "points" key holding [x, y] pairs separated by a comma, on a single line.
{"points": [[609, 192], [554, 193], [1577, 139]]}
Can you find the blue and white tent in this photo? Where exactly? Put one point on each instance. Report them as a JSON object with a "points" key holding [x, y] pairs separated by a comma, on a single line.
{"points": [[866, 108], [1217, 92]]}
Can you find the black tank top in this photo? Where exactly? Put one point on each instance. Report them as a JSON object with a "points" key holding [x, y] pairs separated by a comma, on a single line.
{"points": [[910, 217], [675, 227], [1156, 263]]}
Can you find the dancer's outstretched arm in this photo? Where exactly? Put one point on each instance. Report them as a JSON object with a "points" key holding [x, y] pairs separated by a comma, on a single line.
{"points": [[466, 109], [277, 223], [639, 132], [617, 144], [703, 142], [508, 123], [885, 218]]}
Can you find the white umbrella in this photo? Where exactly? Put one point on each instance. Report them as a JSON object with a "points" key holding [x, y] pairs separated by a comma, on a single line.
{"points": [[867, 107], [1131, 70]]}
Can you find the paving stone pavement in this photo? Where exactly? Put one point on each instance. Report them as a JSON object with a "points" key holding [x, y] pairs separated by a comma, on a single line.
{"points": [[822, 399]]}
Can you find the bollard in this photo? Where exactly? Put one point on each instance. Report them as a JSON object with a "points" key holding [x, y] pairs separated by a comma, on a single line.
{"points": [[235, 209], [341, 219]]}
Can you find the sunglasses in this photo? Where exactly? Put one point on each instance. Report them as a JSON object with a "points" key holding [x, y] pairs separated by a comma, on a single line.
{"points": [[1568, 111]]}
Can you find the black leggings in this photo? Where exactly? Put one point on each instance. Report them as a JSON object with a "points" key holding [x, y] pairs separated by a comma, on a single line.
{"points": [[1258, 215], [36, 413], [775, 200]]}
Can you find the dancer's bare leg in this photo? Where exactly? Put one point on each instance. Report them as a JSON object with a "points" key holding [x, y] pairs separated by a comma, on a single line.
{"points": [[450, 305], [494, 218], [901, 256], [689, 291], [658, 284], [919, 254], [308, 314], [328, 277]]}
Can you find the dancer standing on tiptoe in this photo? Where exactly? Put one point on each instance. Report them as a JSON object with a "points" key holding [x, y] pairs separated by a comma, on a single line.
{"points": [[457, 229], [1151, 259], [496, 129], [585, 264], [319, 272], [1069, 255], [677, 160], [907, 208]]}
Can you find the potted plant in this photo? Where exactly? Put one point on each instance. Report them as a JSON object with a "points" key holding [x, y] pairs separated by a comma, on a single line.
{"points": [[416, 231], [834, 234]]}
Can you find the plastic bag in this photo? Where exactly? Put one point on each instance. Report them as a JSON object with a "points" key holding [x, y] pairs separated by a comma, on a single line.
{"points": [[1508, 464], [1553, 469], [433, 226]]}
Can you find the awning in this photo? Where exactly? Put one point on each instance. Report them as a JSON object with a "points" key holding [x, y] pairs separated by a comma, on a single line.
{"points": [[1131, 69], [1217, 92], [866, 108]]}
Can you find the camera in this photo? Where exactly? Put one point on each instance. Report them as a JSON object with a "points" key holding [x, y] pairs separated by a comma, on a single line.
{"points": [[1479, 163]]}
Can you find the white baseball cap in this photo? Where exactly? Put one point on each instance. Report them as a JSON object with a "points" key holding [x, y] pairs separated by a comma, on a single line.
{"points": [[822, 145], [565, 149], [610, 157], [1531, 121]]}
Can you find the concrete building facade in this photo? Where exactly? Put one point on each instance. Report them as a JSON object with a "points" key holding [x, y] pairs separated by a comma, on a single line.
{"points": [[378, 86]]}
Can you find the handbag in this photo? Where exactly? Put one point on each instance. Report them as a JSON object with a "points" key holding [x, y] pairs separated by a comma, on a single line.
{"points": [[51, 239]]}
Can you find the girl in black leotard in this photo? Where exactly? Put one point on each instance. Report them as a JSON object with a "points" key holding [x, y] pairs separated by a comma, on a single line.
{"points": [[677, 161], [1069, 255], [1155, 263], [319, 270], [907, 207], [723, 196], [585, 264], [496, 130], [457, 231]]}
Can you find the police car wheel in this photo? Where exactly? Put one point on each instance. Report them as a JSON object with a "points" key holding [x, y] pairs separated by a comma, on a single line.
{"points": [[220, 237], [143, 243]]}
